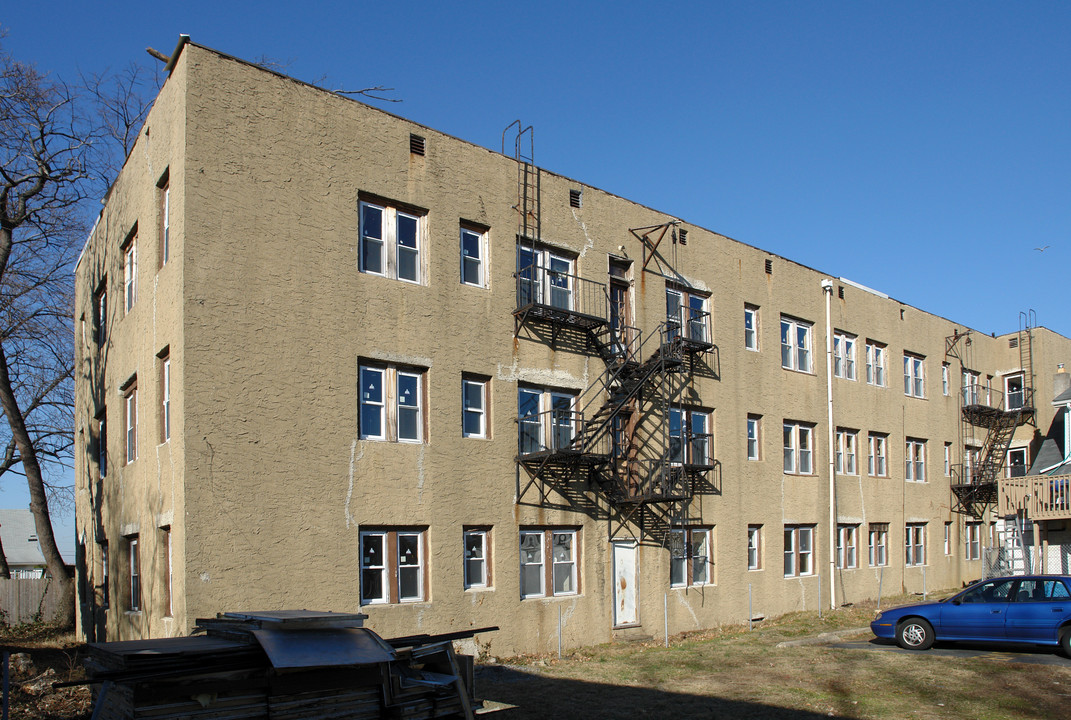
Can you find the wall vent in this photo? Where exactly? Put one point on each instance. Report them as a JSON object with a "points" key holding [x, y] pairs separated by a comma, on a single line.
{"points": [[417, 144], [575, 196], [840, 291], [769, 267], [1013, 342], [682, 235]]}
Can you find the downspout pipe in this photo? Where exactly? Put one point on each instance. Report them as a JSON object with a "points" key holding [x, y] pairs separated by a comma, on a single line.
{"points": [[827, 287]]}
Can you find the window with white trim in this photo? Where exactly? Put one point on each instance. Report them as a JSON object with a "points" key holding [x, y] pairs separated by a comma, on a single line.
{"points": [[914, 375], [130, 271], [1017, 462], [477, 558], [799, 550], [754, 437], [798, 448], [796, 344], [393, 566], [130, 419], [878, 544], [751, 327], [915, 460], [945, 382], [948, 459], [164, 189], [844, 355], [846, 452], [948, 538], [972, 388], [548, 560], [875, 363], [847, 546], [545, 277], [1014, 392], [691, 557], [971, 467], [165, 397], [973, 544], [134, 567], [876, 459], [473, 256], [754, 547], [690, 439], [391, 242], [474, 404], [915, 544], [392, 403], [546, 419], [688, 314]]}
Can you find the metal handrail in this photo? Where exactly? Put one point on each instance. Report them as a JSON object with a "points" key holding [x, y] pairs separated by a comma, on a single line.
{"points": [[542, 286]]}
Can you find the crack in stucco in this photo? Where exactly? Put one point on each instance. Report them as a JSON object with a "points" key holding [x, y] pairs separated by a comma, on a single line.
{"points": [[683, 602], [355, 457], [589, 242]]}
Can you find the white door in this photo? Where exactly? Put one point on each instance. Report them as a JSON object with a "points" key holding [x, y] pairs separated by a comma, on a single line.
{"points": [[626, 593]]}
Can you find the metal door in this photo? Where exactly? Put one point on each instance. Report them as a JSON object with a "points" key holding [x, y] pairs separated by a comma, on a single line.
{"points": [[626, 592]]}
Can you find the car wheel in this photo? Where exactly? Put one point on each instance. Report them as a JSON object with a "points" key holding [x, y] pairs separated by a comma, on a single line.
{"points": [[1065, 641], [914, 634]]}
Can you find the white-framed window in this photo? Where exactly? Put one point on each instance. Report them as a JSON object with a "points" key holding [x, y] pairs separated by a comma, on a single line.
{"points": [[973, 544], [846, 452], [847, 547], [948, 459], [105, 587], [691, 557], [877, 454], [754, 547], [875, 363], [391, 242], [795, 344], [971, 454], [878, 544], [844, 355], [165, 221], [915, 460], [392, 403], [102, 443], [948, 538], [130, 272], [972, 388], [690, 439], [545, 277], [548, 560], [167, 559], [473, 256], [1014, 392], [915, 544], [130, 420], [165, 398], [477, 558], [799, 550], [914, 375], [751, 327], [134, 565], [100, 314], [1017, 462], [546, 419], [392, 565], [474, 404], [945, 372], [798, 448], [754, 437], [688, 314]]}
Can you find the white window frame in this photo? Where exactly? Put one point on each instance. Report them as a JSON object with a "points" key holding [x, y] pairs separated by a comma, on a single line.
{"points": [[945, 382], [165, 223], [972, 541], [544, 421], [875, 363], [477, 558], [915, 460], [754, 437], [1024, 452], [798, 446], [754, 547], [972, 388], [847, 547], [391, 406], [391, 246], [847, 445], [555, 560], [693, 440], [165, 402], [693, 567], [751, 327], [948, 538], [1014, 399], [877, 455], [390, 566], [473, 264], [914, 544], [799, 550], [691, 318], [796, 345], [554, 281], [473, 389], [130, 273], [130, 421], [134, 567], [878, 545], [948, 459], [844, 355], [914, 375]]}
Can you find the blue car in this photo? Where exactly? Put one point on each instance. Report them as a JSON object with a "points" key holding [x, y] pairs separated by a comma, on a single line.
{"points": [[1023, 609]]}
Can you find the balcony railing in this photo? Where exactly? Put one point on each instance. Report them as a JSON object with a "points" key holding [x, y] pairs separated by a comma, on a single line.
{"points": [[691, 450], [1039, 497], [691, 325], [1015, 399], [561, 291]]}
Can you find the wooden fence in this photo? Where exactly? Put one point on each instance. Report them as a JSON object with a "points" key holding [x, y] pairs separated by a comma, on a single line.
{"points": [[23, 600]]}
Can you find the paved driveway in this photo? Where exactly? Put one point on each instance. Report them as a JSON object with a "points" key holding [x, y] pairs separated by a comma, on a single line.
{"points": [[1004, 653]]}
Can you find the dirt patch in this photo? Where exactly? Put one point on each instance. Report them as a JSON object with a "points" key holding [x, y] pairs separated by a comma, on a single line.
{"points": [[41, 655]]}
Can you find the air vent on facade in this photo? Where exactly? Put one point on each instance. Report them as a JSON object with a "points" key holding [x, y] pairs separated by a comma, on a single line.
{"points": [[417, 144], [575, 196], [1013, 342], [683, 235], [840, 291], [769, 267]]}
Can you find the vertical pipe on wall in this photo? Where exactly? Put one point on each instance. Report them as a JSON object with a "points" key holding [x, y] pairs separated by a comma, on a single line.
{"points": [[559, 632], [827, 287], [665, 615], [750, 614]]}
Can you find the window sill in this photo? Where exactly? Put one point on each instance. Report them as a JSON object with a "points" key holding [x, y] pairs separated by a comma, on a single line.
{"points": [[480, 589]]}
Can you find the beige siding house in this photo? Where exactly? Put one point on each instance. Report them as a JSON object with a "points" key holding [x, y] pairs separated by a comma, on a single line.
{"points": [[332, 359]]}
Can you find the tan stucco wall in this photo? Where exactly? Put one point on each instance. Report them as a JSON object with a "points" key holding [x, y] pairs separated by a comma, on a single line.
{"points": [[267, 316]]}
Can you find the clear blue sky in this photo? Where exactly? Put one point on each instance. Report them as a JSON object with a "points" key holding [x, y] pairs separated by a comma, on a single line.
{"points": [[920, 148]]}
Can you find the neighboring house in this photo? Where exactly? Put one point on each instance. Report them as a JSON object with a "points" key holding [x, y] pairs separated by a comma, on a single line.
{"points": [[328, 358], [19, 536]]}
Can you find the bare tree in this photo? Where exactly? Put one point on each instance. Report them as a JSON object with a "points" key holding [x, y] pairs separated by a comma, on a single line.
{"points": [[44, 147]]}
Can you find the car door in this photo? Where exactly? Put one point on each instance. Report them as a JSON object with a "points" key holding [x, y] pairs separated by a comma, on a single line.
{"points": [[978, 613], [1041, 605]]}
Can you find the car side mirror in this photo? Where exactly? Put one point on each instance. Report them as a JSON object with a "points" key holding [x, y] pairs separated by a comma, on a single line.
{"points": [[957, 602]]}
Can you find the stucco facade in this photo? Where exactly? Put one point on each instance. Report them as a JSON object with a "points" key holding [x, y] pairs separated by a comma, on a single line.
{"points": [[302, 395]]}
